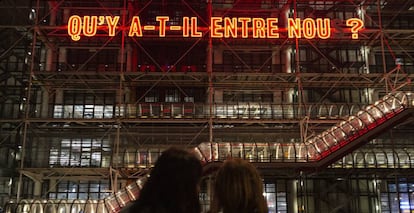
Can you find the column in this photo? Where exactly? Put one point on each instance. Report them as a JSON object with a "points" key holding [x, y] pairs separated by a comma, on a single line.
{"points": [[66, 15], [62, 59], [49, 59], [44, 108], [367, 58], [37, 190], [218, 96], [292, 200], [129, 60], [59, 96], [218, 55], [277, 97], [277, 67], [59, 102], [53, 13], [52, 185], [276, 60], [287, 59]]}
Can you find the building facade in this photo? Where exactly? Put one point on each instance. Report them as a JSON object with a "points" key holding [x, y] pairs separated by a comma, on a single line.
{"points": [[316, 94]]}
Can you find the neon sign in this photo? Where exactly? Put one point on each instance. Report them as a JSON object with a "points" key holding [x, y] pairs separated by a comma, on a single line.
{"points": [[220, 27]]}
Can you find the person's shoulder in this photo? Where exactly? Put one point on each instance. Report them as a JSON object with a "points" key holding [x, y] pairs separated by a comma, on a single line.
{"points": [[152, 209], [137, 207]]}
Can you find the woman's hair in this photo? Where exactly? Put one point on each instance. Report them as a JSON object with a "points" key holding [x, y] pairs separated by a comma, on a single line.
{"points": [[173, 185], [238, 188]]}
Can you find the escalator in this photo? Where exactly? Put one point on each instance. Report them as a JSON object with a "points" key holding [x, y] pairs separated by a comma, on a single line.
{"points": [[325, 148]]}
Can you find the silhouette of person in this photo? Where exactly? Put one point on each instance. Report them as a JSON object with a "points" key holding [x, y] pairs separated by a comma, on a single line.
{"points": [[173, 185], [238, 188]]}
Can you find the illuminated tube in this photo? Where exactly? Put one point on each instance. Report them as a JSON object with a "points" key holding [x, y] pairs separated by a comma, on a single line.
{"points": [[356, 122], [90, 25], [259, 25], [122, 197], [75, 27], [329, 139], [112, 22], [348, 129], [312, 152], [134, 189], [135, 28], [230, 29], [162, 20], [338, 133], [301, 149], [366, 118], [112, 204], [321, 144], [310, 28]]}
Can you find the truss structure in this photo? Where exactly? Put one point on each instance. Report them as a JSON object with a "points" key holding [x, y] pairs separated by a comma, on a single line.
{"points": [[151, 92]]}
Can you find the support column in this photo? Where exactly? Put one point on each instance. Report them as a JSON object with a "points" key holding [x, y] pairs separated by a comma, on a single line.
{"points": [[44, 110], [53, 7], [218, 55], [37, 190], [366, 57], [287, 68], [218, 96], [371, 58], [365, 50], [127, 95], [62, 59], [278, 66], [292, 199], [209, 62], [377, 200], [287, 59], [289, 95], [276, 60], [123, 52], [129, 64], [52, 185], [59, 96], [361, 13], [49, 59], [130, 99], [377, 188], [59, 102], [66, 15], [371, 97], [278, 97]]}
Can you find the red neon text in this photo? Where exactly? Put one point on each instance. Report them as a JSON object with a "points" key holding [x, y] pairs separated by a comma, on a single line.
{"points": [[220, 27], [88, 25]]}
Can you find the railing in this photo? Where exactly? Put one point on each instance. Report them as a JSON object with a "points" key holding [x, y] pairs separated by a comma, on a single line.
{"points": [[190, 110], [202, 111], [400, 157], [111, 204]]}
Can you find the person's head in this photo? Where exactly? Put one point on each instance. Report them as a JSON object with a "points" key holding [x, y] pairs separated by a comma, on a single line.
{"points": [[173, 183], [238, 188]]}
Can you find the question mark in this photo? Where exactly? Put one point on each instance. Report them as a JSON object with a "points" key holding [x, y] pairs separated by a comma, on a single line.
{"points": [[356, 24]]}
